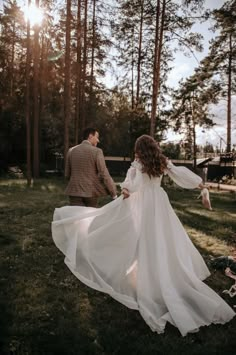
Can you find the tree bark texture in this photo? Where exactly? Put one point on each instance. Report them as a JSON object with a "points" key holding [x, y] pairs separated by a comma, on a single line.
{"points": [[67, 85], [160, 18]]}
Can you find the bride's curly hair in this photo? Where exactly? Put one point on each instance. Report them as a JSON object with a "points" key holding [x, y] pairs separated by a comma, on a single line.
{"points": [[150, 156]]}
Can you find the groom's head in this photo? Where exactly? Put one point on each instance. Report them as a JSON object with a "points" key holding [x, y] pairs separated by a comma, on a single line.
{"points": [[92, 135]]}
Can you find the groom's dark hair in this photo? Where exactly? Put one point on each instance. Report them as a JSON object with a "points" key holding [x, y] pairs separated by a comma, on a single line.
{"points": [[89, 131]]}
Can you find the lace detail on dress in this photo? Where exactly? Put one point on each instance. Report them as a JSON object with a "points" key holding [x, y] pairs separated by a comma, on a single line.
{"points": [[137, 165]]}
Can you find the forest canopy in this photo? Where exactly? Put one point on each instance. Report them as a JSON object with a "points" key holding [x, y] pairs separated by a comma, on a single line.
{"points": [[53, 75]]}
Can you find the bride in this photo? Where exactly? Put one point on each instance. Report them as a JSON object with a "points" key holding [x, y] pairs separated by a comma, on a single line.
{"points": [[136, 250]]}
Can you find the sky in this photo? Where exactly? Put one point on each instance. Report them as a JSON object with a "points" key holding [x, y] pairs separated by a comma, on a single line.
{"points": [[184, 67]]}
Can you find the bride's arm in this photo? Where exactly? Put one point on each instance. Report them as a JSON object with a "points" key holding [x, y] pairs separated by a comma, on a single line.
{"points": [[183, 177], [187, 179], [133, 180]]}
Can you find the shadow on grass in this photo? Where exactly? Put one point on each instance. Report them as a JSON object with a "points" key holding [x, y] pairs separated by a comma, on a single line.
{"points": [[219, 223], [46, 310], [7, 290]]}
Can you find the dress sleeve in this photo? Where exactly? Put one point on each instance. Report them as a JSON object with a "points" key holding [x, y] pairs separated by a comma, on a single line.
{"points": [[133, 179], [182, 176]]}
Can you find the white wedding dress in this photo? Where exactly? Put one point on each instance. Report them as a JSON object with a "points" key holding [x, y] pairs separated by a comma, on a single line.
{"points": [[137, 251]]}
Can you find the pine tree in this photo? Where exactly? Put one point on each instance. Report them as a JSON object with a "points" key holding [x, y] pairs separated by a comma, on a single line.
{"points": [[27, 106], [67, 82], [165, 27], [218, 67]]}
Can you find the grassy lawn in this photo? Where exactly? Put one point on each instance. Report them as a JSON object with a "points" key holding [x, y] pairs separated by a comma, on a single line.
{"points": [[46, 310]]}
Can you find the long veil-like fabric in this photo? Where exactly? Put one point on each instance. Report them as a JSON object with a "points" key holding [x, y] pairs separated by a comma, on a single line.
{"points": [[137, 251]]}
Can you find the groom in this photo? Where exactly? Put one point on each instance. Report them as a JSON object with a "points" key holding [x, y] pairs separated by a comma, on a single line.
{"points": [[87, 172]]}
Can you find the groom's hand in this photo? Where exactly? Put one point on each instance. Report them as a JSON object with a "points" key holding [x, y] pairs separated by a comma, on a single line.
{"points": [[125, 193]]}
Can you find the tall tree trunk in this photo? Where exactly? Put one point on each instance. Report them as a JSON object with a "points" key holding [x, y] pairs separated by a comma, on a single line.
{"points": [[194, 148], [229, 95], [194, 135], [139, 52], [78, 75], [43, 77], [132, 71], [93, 48], [12, 59], [67, 86], [84, 66], [42, 85], [157, 62], [27, 107], [36, 101]]}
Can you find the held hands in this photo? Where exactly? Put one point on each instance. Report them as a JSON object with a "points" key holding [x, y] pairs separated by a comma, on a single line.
{"points": [[202, 186], [125, 193]]}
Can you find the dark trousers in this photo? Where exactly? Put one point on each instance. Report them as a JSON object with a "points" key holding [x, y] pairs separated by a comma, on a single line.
{"points": [[83, 201]]}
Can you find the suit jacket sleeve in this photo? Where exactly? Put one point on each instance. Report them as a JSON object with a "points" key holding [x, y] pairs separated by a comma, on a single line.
{"points": [[104, 174], [68, 165]]}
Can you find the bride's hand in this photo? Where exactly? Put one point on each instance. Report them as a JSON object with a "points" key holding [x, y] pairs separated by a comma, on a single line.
{"points": [[201, 186], [125, 193]]}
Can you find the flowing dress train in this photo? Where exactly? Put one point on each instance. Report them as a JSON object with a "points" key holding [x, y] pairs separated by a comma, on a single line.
{"points": [[137, 251]]}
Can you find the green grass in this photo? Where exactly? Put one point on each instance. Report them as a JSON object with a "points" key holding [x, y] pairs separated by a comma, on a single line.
{"points": [[45, 310]]}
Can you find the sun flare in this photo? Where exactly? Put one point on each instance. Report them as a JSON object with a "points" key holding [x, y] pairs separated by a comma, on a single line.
{"points": [[33, 14]]}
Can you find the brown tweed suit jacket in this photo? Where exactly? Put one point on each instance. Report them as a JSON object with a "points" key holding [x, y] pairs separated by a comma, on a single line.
{"points": [[87, 172]]}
